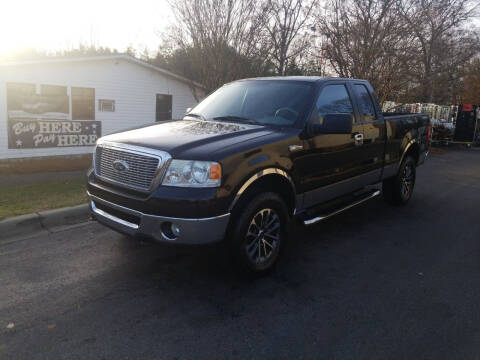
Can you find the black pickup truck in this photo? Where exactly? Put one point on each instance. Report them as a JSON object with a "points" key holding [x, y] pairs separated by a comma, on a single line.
{"points": [[253, 156]]}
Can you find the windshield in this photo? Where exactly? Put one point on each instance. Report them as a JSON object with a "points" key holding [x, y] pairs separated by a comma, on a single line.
{"points": [[262, 102]]}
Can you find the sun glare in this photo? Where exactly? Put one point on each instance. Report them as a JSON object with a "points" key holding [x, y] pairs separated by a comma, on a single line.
{"points": [[56, 24]]}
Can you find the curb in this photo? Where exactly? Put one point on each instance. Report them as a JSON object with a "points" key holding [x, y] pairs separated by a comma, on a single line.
{"points": [[48, 221]]}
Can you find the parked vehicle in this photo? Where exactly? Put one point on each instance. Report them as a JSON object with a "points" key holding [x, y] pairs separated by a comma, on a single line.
{"points": [[251, 157]]}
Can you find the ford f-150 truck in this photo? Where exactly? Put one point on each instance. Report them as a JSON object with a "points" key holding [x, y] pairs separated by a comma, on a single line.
{"points": [[253, 156]]}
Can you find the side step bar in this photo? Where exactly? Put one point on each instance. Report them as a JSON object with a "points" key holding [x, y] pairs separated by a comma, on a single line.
{"points": [[349, 206]]}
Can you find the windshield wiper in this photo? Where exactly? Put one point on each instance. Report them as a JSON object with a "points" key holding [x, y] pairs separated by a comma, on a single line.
{"points": [[195, 115], [238, 118]]}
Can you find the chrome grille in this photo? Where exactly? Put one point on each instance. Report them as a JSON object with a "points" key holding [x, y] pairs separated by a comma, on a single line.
{"points": [[140, 173]]}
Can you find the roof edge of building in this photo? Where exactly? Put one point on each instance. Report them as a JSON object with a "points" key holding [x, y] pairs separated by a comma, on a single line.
{"points": [[106, 57]]}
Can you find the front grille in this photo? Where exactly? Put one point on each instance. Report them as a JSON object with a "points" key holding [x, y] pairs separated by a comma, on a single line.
{"points": [[138, 175]]}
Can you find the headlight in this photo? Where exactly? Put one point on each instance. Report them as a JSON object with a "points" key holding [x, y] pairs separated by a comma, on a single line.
{"points": [[188, 173]]}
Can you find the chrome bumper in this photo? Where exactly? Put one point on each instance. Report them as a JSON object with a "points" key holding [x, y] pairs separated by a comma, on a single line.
{"points": [[192, 231]]}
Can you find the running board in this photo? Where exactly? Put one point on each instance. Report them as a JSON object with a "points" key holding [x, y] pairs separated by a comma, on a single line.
{"points": [[349, 206]]}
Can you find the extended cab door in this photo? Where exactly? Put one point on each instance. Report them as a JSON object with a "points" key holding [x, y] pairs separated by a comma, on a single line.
{"points": [[330, 161], [373, 129]]}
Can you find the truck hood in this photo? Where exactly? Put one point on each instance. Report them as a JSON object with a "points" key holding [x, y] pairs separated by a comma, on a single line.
{"points": [[202, 138]]}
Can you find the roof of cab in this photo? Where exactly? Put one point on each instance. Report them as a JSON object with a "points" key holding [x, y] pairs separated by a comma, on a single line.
{"points": [[301, 78]]}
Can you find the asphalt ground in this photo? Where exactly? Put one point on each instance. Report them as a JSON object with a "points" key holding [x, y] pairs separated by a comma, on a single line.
{"points": [[375, 282]]}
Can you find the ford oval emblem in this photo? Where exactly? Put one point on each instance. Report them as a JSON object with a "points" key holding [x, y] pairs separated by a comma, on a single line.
{"points": [[120, 165]]}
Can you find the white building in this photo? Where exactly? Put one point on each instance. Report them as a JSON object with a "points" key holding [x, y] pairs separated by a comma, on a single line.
{"points": [[61, 106]]}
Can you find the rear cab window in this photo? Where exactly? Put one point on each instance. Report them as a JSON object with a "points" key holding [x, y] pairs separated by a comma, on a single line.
{"points": [[365, 102]]}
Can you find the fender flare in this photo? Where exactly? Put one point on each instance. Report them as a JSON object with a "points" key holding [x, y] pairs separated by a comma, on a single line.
{"points": [[258, 175], [409, 145]]}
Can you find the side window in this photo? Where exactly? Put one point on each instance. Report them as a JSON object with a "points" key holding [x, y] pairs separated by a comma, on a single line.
{"points": [[333, 99], [365, 102]]}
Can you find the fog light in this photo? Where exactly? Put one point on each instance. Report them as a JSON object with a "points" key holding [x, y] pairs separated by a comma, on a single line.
{"points": [[168, 232], [175, 230]]}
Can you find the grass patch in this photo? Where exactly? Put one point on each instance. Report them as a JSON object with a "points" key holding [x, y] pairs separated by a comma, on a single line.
{"points": [[26, 199]]}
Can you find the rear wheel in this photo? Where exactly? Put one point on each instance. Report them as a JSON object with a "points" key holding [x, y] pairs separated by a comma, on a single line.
{"points": [[399, 189], [259, 231]]}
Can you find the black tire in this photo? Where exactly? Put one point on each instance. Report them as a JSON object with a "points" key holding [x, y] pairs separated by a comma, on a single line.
{"points": [[399, 189], [248, 233]]}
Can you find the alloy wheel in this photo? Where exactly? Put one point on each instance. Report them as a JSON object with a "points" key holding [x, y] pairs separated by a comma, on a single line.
{"points": [[407, 181], [263, 236]]}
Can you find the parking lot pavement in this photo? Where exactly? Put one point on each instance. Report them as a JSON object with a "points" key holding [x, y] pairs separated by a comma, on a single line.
{"points": [[376, 282]]}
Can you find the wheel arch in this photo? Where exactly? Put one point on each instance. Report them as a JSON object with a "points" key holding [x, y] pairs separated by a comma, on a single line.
{"points": [[271, 179], [411, 149]]}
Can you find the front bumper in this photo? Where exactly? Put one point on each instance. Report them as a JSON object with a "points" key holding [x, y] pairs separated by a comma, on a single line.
{"points": [[138, 224]]}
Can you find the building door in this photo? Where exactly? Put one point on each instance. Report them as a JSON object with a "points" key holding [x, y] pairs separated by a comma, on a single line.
{"points": [[83, 103], [164, 107]]}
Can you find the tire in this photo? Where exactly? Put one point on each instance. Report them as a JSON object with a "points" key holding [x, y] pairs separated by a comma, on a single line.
{"points": [[259, 231], [399, 189]]}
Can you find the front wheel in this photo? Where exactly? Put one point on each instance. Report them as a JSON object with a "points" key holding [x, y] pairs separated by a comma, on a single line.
{"points": [[399, 189], [259, 232]]}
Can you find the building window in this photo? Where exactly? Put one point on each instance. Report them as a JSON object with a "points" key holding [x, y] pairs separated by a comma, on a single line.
{"points": [[21, 88], [19, 94], [83, 103], [106, 105], [53, 90], [53, 99]]}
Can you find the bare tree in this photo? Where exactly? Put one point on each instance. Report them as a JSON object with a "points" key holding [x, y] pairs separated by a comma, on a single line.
{"points": [[410, 50], [470, 83], [286, 28], [442, 41], [365, 39], [221, 37]]}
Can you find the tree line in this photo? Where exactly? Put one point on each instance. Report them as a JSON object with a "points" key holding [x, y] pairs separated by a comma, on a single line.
{"points": [[410, 50]]}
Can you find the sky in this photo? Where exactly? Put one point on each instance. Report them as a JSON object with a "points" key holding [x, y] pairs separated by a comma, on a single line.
{"points": [[57, 24], [64, 24]]}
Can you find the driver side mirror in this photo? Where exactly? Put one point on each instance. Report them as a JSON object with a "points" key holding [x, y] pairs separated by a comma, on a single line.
{"points": [[188, 110], [334, 124]]}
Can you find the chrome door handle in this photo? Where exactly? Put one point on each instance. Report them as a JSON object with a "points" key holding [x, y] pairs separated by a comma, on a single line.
{"points": [[293, 148], [358, 139]]}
